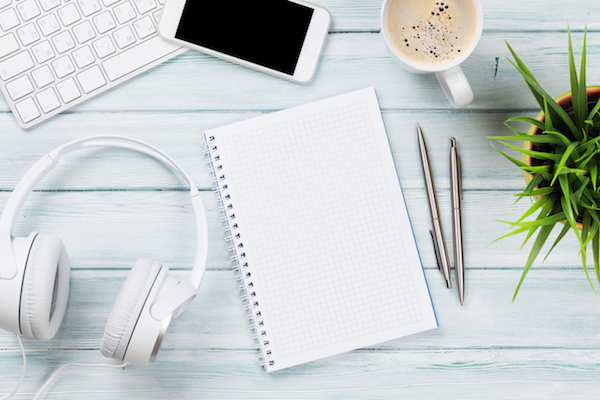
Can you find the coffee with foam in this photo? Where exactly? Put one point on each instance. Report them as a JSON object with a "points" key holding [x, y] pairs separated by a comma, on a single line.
{"points": [[432, 33]]}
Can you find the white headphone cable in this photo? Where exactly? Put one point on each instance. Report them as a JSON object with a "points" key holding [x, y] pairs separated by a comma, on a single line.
{"points": [[22, 375], [61, 369]]}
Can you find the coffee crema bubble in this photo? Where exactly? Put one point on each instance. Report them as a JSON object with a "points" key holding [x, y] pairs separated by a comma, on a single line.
{"points": [[432, 33]]}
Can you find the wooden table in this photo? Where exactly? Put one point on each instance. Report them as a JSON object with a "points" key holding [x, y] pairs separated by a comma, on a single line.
{"points": [[112, 207]]}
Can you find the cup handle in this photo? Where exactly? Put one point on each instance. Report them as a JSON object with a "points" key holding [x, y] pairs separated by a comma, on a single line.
{"points": [[455, 85]]}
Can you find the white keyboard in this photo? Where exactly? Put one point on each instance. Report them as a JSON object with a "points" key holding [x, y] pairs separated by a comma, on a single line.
{"points": [[57, 53]]}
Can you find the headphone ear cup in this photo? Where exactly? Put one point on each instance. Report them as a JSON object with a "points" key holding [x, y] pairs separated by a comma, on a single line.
{"points": [[45, 290], [128, 307]]}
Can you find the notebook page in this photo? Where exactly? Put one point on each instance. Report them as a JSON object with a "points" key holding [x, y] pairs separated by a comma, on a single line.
{"points": [[320, 229]]}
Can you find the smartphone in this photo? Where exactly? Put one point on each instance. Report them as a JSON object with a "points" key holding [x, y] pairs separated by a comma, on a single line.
{"points": [[280, 37]]}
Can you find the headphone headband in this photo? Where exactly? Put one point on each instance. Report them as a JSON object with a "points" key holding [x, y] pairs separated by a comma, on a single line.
{"points": [[172, 300]]}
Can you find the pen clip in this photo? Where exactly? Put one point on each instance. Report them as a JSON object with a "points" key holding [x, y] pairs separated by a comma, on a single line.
{"points": [[459, 164], [436, 250]]}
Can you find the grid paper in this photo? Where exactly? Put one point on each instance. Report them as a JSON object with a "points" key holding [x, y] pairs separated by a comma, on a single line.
{"points": [[319, 232]]}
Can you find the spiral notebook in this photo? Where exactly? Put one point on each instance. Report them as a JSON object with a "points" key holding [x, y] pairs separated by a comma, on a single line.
{"points": [[320, 229]]}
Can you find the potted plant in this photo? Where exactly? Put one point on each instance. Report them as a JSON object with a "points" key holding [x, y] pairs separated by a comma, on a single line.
{"points": [[561, 159]]}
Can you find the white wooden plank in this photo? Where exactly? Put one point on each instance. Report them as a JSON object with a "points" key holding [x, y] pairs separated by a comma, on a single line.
{"points": [[194, 81], [114, 229], [425, 374], [549, 306], [180, 135], [350, 15]]}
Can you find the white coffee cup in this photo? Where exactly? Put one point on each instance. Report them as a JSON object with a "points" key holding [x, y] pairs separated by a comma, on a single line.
{"points": [[451, 78]]}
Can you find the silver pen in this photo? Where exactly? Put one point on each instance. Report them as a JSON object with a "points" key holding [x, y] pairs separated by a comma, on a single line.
{"points": [[456, 191], [439, 244]]}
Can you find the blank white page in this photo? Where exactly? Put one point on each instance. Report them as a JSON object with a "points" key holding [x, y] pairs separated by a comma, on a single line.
{"points": [[320, 229]]}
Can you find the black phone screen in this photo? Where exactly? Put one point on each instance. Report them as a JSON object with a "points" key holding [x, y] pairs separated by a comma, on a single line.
{"points": [[265, 32]]}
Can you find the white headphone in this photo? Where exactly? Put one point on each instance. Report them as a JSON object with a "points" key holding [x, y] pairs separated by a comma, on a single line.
{"points": [[34, 272]]}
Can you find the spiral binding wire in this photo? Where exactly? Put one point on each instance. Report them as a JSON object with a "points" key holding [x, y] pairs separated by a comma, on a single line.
{"points": [[238, 254]]}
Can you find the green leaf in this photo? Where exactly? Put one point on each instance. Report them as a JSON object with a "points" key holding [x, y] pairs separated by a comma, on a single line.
{"points": [[594, 111], [582, 111], [538, 203], [564, 139], [549, 220], [588, 206], [590, 144], [584, 232], [565, 201], [531, 121], [513, 160], [563, 160], [535, 154], [573, 171], [562, 234], [596, 250], [578, 192], [515, 130], [594, 173], [515, 232], [553, 105], [546, 209], [574, 83], [535, 250], [539, 173], [537, 192], [547, 117], [544, 139]]}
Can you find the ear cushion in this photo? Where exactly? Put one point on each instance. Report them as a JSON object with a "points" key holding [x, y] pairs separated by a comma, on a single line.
{"points": [[128, 307], [45, 287]]}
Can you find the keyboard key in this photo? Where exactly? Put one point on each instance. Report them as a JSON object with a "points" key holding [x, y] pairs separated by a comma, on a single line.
{"points": [[48, 100], [144, 6], [28, 9], [63, 41], [19, 87], [8, 44], [8, 19], [144, 27], [104, 22], [48, 5], [91, 79], [27, 110], [14, 65], [28, 34], [63, 66], [137, 57], [109, 2], [48, 24], [89, 7], [4, 3], [43, 51], [157, 15], [83, 57], [84, 32], [104, 47], [124, 12], [69, 14], [42, 76], [68, 90], [124, 37]]}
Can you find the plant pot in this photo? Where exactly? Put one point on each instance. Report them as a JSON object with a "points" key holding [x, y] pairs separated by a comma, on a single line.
{"points": [[565, 101]]}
